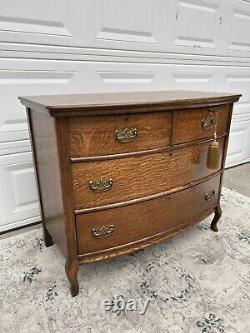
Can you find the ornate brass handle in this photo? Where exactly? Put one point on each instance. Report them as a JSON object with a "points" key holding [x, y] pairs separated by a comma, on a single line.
{"points": [[208, 122], [101, 185], [126, 135], [208, 195], [103, 231]]}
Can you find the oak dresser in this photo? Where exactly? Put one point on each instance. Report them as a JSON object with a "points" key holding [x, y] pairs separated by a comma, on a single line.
{"points": [[119, 171]]}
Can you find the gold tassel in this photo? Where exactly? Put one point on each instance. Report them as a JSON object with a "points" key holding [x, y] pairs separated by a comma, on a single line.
{"points": [[213, 156]]}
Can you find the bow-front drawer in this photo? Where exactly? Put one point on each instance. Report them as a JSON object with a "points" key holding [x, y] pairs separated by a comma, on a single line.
{"points": [[110, 181], [200, 123], [116, 227], [107, 135]]}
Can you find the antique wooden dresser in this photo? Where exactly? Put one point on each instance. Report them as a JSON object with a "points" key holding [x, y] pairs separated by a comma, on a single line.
{"points": [[119, 171]]}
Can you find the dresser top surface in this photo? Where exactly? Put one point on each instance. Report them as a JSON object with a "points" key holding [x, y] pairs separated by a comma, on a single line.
{"points": [[57, 104]]}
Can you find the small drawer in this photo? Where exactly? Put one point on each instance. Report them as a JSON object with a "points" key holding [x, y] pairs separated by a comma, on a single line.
{"points": [[105, 135], [110, 228], [111, 181], [199, 123]]}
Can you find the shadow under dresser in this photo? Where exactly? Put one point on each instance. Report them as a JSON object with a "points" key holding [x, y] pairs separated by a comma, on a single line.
{"points": [[119, 171]]}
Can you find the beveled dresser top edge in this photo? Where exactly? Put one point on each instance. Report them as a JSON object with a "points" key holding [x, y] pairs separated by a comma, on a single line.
{"points": [[116, 103]]}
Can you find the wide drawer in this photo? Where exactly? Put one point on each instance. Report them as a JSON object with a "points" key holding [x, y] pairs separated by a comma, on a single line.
{"points": [[117, 180], [199, 123], [105, 135], [118, 226]]}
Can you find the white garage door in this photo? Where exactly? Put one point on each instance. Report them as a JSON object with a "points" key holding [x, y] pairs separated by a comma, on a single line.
{"points": [[64, 46]]}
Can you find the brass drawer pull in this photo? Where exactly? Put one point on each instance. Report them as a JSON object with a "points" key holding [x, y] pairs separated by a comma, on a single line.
{"points": [[208, 122], [209, 195], [103, 231], [126, 135], [101, 185]]}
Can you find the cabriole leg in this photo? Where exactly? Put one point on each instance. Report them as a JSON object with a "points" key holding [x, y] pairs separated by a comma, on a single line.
{"points": [[71, 268], [217, 216]]}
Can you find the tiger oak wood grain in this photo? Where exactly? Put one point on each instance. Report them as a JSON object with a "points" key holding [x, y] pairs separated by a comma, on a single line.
{"points": [[188, 124], [139, 176], [44, 142], [140, 220], [72, 144], [91, 136], [108, 254]]}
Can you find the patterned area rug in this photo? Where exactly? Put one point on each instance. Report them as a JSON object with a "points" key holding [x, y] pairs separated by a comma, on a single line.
{"points": [[197, 282]]}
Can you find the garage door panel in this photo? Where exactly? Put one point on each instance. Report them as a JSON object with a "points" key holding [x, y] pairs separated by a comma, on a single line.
{"points": [[239, 37], [90, 23], [196, 23], [19, 203], [40, 22], [238, 146], [17, 78]]}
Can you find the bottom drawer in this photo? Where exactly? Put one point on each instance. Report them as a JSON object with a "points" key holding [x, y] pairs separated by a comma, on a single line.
{"points": [[113, 227]]}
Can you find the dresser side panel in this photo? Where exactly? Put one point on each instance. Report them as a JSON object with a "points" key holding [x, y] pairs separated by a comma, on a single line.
{"points": [[229, 121], [62, 133], [48, 173]]}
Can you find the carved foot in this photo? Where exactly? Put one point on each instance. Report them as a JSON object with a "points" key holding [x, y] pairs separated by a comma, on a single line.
{"points": [[48, 241], [71, 268], [217, 216]]}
